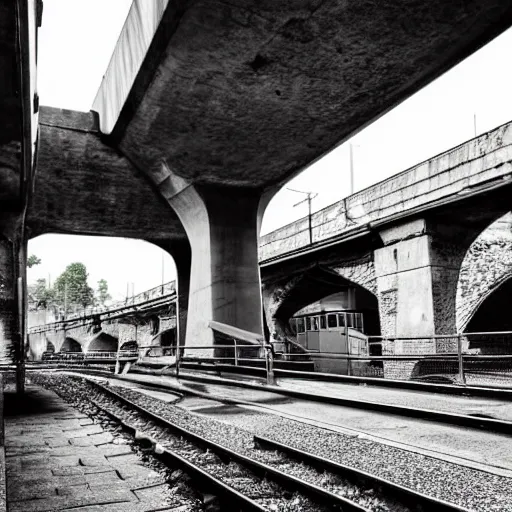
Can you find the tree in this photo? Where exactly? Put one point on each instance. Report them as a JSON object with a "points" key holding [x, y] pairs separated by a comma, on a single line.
{"points": [[40, 294], [102, 292], [71, 288], [33, 260]]}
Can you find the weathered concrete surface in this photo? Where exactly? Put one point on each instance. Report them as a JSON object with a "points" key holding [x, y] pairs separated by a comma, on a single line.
{"points": [[8, 307], [10, 110], [226, 80], [221, 225], [84, 186], [417, 272]]}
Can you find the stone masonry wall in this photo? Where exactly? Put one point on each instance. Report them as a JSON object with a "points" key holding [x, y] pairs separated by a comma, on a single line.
{"points": [[487, 264]]}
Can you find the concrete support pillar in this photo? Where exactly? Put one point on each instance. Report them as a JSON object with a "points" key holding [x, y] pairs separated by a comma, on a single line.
{"points": [[9, 335], [182, 258], [222, 228], [417, 272]]}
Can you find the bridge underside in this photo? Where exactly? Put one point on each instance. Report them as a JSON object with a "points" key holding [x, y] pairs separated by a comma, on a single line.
{"points": [[232, 100]]}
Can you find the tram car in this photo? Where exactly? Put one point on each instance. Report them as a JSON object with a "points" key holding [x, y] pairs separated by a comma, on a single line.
{"points": [[328, 332]]}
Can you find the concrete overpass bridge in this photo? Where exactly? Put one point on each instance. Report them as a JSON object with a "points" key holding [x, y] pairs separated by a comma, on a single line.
{"points": [[206, 109], [426, 247]]}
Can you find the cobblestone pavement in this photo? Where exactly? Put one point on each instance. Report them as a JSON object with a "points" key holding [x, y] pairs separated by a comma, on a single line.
{"points": [[58, 459]]}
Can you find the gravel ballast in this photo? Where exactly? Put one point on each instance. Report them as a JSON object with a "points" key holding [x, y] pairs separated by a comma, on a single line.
{"points": [[466, 487]]}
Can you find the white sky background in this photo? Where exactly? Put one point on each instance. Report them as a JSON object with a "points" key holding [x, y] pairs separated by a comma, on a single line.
{"points": [[76, 41]]}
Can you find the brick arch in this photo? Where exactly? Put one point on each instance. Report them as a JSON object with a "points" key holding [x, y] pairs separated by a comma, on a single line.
{"points": [[102, 342], [361, 273], [282, 299], [486, 266], [70, 345]]}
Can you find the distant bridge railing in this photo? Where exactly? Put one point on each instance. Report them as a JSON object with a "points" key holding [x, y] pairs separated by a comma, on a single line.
{"points": [[115, 310], [153, 293], [67, 357]]}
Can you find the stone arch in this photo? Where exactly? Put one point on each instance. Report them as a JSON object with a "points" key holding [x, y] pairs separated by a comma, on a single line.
{"points": [[487, 265], [70, 345], [493, 315], [129, 345], [102, 342], [283, 299]]}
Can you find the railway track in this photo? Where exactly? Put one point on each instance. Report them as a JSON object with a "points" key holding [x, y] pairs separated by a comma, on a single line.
{"points": [[331, 485], [448, 418]]}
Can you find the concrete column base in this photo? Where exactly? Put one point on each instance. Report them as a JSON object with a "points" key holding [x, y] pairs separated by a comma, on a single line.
{"points": [[222, 228], [417, 273]]}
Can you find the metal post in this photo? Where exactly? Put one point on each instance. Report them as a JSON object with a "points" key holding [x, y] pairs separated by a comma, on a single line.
{"points": [[178, 358], [351, 146], [118, 364], [309, 219], [347, 337], [236, 352], [269, 364], [20, 359], [460, 357]]}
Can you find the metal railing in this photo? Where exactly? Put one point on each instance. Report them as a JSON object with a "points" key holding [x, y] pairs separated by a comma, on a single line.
{"points": [[152, 294], [477, 358], [265, 352], [96, 355]]}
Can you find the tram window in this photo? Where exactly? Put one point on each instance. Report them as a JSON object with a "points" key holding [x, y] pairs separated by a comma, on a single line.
{"points": [[331, 321], [341, 320], [308, 323], [300, 325], [323, 323], [350, 320], [358, 321], [314, 323]]}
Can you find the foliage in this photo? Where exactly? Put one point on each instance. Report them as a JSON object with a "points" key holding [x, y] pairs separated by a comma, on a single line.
{"points": [[40, 294], [71, 289], [102, 292], [33, 260]]}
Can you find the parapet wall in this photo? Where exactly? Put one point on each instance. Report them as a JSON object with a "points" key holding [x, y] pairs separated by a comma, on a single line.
{"points": [[481, 160]]}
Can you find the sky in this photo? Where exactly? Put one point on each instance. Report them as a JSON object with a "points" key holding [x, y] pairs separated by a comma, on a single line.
{"points": [[76, 41]]}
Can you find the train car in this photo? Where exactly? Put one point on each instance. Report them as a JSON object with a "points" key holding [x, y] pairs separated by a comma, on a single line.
{"points": [[337, 327], [329, 335]]}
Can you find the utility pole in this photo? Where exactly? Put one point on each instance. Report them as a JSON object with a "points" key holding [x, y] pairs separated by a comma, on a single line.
{"points": [[474, 123], [309, 198], [351, 146], [162, 273]]}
